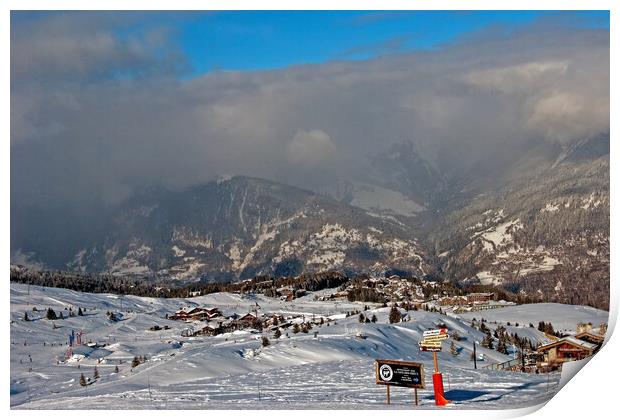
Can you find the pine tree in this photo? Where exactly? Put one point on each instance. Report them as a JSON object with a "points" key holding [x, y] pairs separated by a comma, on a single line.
{"points": [[277, 334], [96, 373], [265, 341], [50, 314], [116, 369], [394, 315], [26, 316], [501, 346], [80, 313], [491, 346], [373, 319], [83, 380], [295, 328], [362, 318], [135, 362], [487, 341]]}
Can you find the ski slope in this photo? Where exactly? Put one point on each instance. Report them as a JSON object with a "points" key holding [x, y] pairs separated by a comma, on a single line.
{"points": [[563, 317], [234, 370]]}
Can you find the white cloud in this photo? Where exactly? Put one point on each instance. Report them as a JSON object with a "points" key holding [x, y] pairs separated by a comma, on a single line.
{"points": [[312, 148], [76, 131]]}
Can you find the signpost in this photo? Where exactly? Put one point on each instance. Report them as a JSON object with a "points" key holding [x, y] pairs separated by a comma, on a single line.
{"points": [[400, 373], [431, 341]]}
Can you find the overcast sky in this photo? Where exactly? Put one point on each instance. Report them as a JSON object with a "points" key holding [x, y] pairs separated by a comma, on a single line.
{"points": [[102, 103]]}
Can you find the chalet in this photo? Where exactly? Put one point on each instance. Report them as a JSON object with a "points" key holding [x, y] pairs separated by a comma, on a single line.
{"points": [[196, 314], [209, 329], [592, 337], [344, 295], [181, 314], [565, 350], [491, 305], [213, 312], [479, 297], [286, 293], [247, 320], [452, 300]]}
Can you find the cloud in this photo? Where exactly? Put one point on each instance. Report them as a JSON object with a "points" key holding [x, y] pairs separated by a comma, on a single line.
{"points": [[98, 108], [520, 77], [86, 46], [312, 148]]}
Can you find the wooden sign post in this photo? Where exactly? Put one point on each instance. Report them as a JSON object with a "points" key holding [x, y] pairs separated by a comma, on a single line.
{"points": [[431, 341], [400, 373]]}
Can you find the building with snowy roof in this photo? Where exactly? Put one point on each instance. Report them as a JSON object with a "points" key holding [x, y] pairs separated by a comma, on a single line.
{"points": [[566, 349]]}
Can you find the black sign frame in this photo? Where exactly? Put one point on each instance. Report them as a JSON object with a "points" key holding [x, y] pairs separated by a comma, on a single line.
{"points": [[399, 373]]}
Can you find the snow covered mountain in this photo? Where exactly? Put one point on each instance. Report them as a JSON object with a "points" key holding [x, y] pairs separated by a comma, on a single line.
{"points": [[544, 230], [236, 228], [535, 220]]}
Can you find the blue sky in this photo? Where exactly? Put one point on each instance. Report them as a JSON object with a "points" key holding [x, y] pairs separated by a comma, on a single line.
{"points": [[257, 40]]}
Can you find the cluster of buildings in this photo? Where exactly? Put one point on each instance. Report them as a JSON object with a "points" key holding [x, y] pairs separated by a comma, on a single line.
{"points": [[396, 289], [288, 294], [550, 356], [393, 289], [201, 324], [212, 321], [472, 302], [196, 314]]}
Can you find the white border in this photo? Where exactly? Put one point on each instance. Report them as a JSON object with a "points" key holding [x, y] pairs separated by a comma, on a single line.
{"points": [[590, 394]]}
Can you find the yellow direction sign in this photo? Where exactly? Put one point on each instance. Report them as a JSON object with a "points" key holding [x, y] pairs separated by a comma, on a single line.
{"points": [[427, 344], [436, 338]]}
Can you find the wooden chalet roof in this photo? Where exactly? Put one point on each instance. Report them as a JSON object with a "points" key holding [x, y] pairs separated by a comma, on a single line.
{"points": [[569, 340], [591, 335]]}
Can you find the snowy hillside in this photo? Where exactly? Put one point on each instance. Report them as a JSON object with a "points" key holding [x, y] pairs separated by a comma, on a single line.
{"points": [[566, 316], [333, 368]]}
